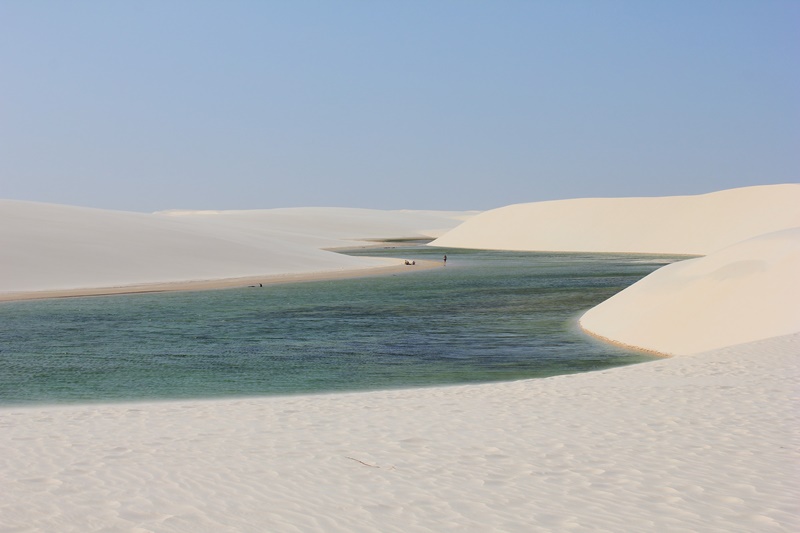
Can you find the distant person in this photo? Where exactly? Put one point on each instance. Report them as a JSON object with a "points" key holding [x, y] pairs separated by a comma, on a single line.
{"points": [[445, 259]]}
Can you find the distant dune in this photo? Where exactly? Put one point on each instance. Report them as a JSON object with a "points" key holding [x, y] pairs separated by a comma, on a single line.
{"points": [[694, 225], [46, 247]]}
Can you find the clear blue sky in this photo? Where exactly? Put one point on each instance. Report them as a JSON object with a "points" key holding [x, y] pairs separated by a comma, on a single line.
{"points": [[148, 105]]}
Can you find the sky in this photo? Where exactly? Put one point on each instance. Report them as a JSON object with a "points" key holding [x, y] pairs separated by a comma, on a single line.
{"points": [[150, 105]]}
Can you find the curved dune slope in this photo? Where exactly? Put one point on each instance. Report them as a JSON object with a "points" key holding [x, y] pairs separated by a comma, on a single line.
{"points": [[748, 288], [746, 292], [54, 247], [694, 225]]}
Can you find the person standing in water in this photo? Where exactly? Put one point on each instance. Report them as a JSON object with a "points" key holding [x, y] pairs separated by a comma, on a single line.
{"points": [[445, 259]]}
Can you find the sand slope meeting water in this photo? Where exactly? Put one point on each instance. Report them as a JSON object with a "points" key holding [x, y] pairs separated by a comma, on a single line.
{"points": [[745, 292], [745, 289]]}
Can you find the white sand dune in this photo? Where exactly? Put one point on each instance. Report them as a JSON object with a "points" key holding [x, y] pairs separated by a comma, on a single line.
{"points": [[745, 292], [707, 442], [748, 288], [45, 247], [694, 225], [702, 443]]}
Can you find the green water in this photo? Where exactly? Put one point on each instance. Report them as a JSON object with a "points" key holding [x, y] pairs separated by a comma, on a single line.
{"points": [[486, 316]]}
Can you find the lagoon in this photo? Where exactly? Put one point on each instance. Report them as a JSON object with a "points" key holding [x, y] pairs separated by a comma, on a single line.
{"points": [[486, 316]]}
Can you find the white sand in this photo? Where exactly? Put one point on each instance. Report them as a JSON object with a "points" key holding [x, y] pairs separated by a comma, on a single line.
{"points": [[695, 225], [46, 247], [702, 443], [705, 442]]}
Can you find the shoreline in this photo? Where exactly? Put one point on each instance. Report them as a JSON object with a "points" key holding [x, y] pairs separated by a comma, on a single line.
{"points": [[654, 353], [219, 284]]}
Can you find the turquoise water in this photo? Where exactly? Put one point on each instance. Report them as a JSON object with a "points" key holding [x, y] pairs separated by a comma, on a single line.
{"points": [[486, 316]]}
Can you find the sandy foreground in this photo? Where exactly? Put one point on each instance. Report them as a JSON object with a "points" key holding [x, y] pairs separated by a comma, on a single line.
{"points": [[708, 441], [700, 443]]}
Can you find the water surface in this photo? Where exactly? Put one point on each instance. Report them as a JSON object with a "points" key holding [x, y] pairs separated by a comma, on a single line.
{"points": [[486, 316]]}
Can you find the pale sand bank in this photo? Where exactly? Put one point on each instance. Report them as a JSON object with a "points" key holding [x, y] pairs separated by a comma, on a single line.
{"points": [[702, 443], [394, 267]]}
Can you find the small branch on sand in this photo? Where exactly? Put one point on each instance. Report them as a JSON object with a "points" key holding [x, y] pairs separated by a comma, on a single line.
{"points": [[362, 462], [392, 467]]}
